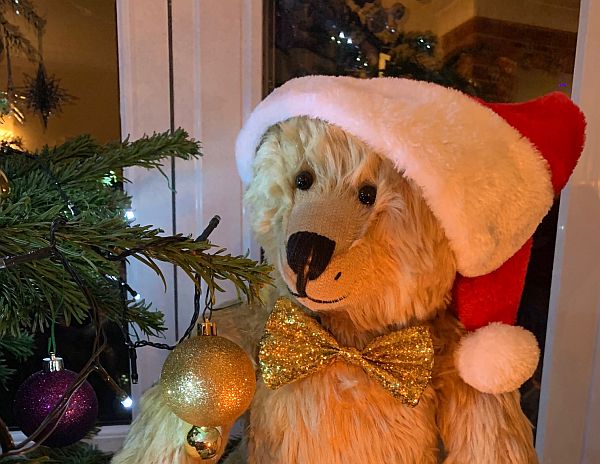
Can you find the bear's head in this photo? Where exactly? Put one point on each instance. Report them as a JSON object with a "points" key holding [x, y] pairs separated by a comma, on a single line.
{"points": [[349, 235], [379, 199]]}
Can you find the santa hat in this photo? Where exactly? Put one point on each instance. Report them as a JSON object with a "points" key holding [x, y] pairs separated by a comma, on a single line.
{"points": [[489, 173]]}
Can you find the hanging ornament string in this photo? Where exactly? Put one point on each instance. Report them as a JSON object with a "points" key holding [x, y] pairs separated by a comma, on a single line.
{"points": [[40, 35], [52, 339], [208, 298], [9, 77], [208, 307]]}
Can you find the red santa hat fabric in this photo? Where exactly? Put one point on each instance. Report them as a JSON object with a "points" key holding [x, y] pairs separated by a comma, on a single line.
{"points": [[489, 173], [555, 127]]}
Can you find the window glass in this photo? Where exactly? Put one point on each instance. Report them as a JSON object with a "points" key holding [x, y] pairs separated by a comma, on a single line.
{"points": [[78, 50], [499, 51]]}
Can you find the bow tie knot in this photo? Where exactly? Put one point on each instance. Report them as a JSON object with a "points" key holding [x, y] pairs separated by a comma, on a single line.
{"points": [[350, 355], [295, 346]]}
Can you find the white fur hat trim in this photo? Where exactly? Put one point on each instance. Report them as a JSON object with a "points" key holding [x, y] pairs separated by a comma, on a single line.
{"points": [[497, 358], [487, 185]]}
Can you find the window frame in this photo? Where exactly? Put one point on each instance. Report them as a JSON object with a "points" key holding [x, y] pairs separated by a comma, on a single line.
{"points": [[569, 419], [184, 81]]}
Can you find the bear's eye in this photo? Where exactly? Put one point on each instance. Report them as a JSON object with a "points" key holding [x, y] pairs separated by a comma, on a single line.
{"points": [[367, 195], [304, 180]]}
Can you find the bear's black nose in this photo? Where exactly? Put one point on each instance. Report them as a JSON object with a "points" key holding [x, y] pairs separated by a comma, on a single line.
{"points": [[308, 254]]}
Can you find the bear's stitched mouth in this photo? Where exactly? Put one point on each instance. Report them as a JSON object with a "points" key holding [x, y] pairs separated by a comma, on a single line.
{"points": [[315, 300]]}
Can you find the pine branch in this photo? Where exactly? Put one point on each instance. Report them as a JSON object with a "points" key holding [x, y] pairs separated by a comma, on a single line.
{"points": [[19, 347], [14, 38], [51, 293], [77, 453], [94, 162], [5, 372], [97, 237]]}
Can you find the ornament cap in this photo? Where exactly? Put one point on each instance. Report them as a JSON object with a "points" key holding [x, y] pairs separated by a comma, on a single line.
{"points": [[207, 328], [53, 363]]}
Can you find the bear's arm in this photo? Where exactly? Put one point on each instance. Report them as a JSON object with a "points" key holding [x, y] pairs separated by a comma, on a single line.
{"points": [[475, 427]]}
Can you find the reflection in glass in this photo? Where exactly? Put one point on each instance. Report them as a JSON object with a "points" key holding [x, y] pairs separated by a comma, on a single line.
{"points": [[75, 42]]}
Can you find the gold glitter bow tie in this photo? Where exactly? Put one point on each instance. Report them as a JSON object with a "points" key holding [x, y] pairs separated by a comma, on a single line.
{"points": [[295, 346]]}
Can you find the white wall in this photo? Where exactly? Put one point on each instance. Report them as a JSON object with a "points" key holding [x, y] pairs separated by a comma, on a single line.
{"points": [[217, 72]]}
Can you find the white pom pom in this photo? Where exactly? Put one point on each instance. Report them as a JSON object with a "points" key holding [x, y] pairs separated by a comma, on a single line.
{"points": [[497, 358]]}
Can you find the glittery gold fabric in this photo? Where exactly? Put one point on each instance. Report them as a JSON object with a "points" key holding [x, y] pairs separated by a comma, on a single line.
{"points": [[295, 346], [208, 380]]}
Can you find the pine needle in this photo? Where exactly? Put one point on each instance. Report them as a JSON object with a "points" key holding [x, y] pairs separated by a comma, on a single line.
{"points": [[86, 176]]}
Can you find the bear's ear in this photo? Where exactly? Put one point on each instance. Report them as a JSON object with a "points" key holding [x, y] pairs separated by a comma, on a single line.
{"points": [[496, 357]]}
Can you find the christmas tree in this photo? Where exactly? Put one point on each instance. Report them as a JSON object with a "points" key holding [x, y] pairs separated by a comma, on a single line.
{"points": [[358, 38], [65, 237]]}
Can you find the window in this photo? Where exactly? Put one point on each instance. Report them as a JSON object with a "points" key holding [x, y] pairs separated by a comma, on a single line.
{"points": [[79, 51]]}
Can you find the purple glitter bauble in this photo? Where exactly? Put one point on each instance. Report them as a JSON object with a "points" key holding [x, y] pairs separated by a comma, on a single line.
{"points": [[40, 392]]}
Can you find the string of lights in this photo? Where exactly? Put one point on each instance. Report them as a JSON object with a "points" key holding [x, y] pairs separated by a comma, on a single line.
{"points": [[51, 421], [52, 251], [84, 253], [93, 365]]}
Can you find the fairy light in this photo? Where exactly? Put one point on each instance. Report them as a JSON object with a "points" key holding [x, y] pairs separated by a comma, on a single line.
{"points": [[121, 394], [127, 402]]}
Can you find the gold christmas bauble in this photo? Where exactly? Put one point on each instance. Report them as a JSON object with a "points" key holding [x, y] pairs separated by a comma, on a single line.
{"points": [[208, 380], [204, 442]]}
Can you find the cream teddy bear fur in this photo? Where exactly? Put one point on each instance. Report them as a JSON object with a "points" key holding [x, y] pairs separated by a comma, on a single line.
{"points": [[392, 267]]}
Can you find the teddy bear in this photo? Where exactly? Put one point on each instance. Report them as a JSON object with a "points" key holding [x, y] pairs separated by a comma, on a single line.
{"points": [[398, 218]]}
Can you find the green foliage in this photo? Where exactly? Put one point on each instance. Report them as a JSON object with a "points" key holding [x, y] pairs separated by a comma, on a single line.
{"points": [[13, 34], [77, 453], [19, 347], [35, 293]]}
